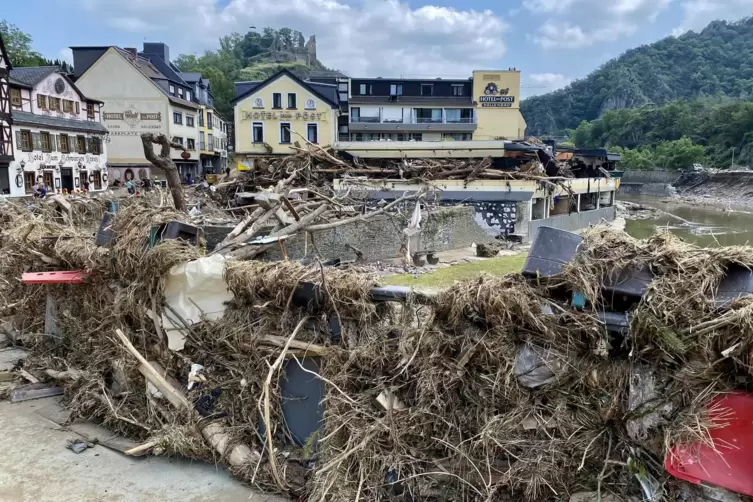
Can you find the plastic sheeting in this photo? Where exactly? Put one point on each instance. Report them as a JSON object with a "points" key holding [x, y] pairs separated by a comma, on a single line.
{"points": [[194, 289]]}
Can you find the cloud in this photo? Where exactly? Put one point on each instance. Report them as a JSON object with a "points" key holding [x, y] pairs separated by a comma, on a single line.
{"points": [[370, 38], [573, 24], [698, 13], [66, 54], [541, 83]]}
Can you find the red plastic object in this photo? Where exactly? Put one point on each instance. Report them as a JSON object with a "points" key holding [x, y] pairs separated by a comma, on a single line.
{"points": [[730, 463], [64, 277]]}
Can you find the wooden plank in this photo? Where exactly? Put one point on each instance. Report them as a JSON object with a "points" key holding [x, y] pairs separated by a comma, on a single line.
{"points": [[34, 391], [51, 318]]}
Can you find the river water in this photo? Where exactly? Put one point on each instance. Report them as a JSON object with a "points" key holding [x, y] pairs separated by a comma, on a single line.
{"points": [[702, 225]]}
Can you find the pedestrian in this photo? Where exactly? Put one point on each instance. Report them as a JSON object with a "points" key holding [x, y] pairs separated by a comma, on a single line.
{"points": [[129, 187], [39, 190], [86, 184]]}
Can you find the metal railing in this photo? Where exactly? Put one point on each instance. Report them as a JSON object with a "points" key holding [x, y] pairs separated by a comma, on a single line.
{"points": [[370, 120]]}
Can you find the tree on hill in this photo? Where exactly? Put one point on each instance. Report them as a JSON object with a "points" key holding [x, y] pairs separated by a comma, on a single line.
{"points": [[718, 61], [253, 56]]}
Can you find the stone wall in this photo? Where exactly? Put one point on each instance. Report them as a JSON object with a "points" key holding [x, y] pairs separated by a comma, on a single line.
{"points": [[658, 189], [655, 176], [382, 237]]}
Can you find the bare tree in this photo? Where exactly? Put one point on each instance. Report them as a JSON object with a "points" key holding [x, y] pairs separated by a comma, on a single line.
{"points": [[165, 162]]}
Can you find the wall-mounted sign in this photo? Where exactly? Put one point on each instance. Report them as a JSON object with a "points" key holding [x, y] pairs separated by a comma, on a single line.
{"points": [[258, 103], [496, 99], [496, 105], [284, 116], [491, 90], [132, 117], [310, 104]]}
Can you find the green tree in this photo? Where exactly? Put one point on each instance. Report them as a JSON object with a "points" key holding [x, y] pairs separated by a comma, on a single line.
{"points": [[18, 45], [679, 154]]}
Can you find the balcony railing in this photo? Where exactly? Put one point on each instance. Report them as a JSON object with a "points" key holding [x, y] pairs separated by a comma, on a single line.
{"points": [[428, 120], [468, 120], [369, 120]]}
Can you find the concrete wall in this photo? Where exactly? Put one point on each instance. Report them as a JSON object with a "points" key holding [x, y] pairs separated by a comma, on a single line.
{"points": [[574, 221], [658, 189], [382, 238], [649, 177]]}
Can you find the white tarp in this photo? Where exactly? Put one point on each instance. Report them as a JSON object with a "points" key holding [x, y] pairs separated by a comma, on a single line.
{"points": [[194, 289]]}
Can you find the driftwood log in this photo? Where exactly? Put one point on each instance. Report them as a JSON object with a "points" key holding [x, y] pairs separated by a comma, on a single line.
{"points": [[165, 162]]}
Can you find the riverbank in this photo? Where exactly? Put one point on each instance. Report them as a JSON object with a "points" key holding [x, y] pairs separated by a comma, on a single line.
{"points": [[724, 191]]}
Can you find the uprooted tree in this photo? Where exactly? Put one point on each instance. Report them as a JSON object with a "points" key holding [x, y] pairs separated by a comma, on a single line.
{"points": [[165, 162]]}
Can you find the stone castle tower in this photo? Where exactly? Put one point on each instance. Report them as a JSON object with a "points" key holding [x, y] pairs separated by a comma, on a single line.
{"points": [[311, 47]]}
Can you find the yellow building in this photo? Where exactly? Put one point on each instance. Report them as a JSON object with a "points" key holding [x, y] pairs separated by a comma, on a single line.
{"points": [[213, 140], [270, 116], [496, 95]]}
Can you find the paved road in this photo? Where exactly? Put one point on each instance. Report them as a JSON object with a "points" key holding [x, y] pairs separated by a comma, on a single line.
{"points": [[36, 466]]}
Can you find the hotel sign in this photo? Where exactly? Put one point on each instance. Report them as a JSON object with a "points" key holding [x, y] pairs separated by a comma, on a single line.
{"points": [[261, 115], [497, 101]]}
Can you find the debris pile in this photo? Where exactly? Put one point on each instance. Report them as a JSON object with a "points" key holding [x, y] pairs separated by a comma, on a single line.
{"points": [[497, 389]]}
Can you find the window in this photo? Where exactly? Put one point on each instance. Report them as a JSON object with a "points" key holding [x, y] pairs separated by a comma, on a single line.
{"points": [[277, 100], [201, 119], [29, 181], [257, 132], [189, 120], [457, 89], [202, 145], [42, 101], [458, 115], [24, 141], [180, 92], [292, 100], [365, 89], [65, 145], [45, 139], [210, 142], [54, 104], [312, 133], [172, 89], [15, 97], [456, 136], [67, 106], [188, 95], [48, 179], [89, 114], [191, 144], [97, 180], [427, 90], [364, 114], [428, 115], [178, 139], [81, 143], [396, 90], [210, 124], [285, 133], [177, 118], [95, 146]]}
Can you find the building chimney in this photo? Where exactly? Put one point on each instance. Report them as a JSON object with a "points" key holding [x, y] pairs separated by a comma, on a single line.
{"points": [[132, 50], [157, 49]]}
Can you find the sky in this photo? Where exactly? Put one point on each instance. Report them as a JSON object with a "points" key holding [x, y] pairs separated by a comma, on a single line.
{"points": [[551, 42]]}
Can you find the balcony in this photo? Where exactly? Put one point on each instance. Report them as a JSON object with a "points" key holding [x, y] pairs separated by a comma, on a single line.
{"points": [[415, 120]]}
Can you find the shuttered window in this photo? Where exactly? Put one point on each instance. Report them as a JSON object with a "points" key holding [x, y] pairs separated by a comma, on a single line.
{"points": [[81, 140], [64, 144]]}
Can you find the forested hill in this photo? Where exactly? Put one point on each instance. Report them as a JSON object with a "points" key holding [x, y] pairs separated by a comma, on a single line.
{"points": [[253, 56], [718, 61]]}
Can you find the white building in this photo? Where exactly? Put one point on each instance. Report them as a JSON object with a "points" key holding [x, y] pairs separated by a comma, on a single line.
{"points": [[142, 92], [6, 141], [58, 134]]}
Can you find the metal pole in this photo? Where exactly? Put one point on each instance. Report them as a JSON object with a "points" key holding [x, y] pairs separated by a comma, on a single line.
{"points": [[732, 165]]}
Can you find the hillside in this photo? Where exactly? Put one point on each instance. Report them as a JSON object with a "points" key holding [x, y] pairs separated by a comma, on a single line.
{"points": [[718, 61], [253, 56]]}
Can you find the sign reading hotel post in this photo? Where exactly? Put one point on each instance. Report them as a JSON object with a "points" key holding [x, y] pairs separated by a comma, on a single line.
{"points": [[496, 98], [264, 115], [127, 121]]}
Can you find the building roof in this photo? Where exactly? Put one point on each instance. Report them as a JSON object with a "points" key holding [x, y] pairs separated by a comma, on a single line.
{"points": [[242, 88], [181, 102], [438, 101], [285, 72], [26, 118], [326, 74], [141, 64], [329, 90], [165, 68], [427, 80], [31, 76], [190, 76]]}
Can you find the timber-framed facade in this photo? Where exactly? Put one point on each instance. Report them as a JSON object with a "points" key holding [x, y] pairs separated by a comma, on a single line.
{"points": [[6, 135]]}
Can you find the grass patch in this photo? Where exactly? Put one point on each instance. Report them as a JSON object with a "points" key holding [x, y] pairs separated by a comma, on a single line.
{"points": [[447, 275]]}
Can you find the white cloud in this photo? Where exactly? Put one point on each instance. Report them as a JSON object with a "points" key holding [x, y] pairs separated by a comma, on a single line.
{"points": [[541, 83], [66, 54], [573, 24], [371, 38], [698, 13]]}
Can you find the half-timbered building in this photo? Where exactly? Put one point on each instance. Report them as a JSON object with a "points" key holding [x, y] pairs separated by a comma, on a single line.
{"points": [[6, 135]]}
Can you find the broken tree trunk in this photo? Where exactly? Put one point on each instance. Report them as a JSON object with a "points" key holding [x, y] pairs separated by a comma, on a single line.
{"points": [[165, 162]]}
